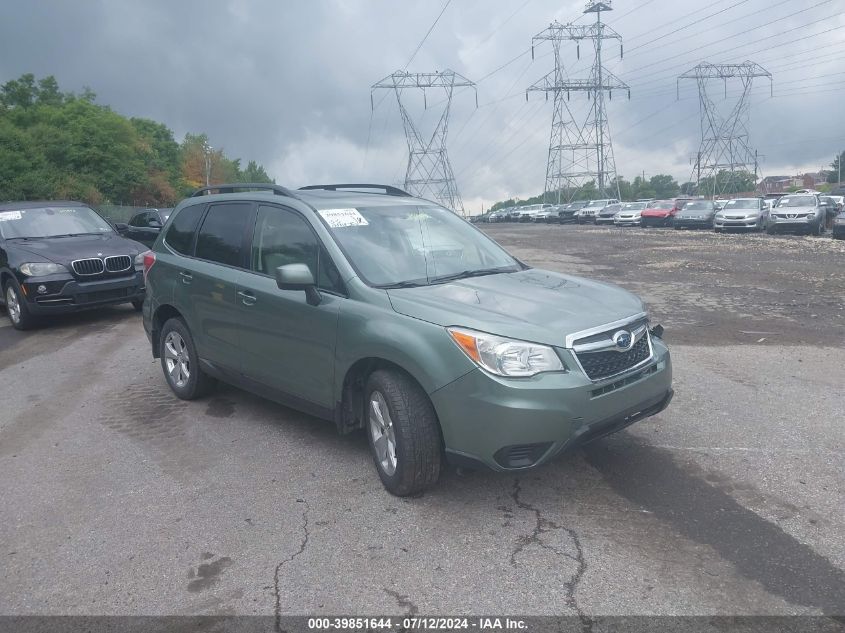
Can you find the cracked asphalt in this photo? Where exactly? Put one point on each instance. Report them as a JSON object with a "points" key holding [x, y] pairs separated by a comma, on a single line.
{"points": [[116, 498]]}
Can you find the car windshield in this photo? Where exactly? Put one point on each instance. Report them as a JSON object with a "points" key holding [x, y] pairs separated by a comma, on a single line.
{"points": [[797, 201], [596, 204], [51, 222], [661, 204], [698, 206], [633, 206], [393, 246], [741, 204]]}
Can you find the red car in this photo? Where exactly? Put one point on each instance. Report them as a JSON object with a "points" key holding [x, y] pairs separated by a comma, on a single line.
{"points": [[659, 213], [662, 212]]}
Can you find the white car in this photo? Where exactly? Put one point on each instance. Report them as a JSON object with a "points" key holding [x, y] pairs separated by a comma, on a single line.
{"points": [[630, 214], [589, 212]]}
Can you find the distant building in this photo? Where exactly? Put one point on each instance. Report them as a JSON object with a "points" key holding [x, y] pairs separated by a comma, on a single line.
{"points": [[813, 180], [778, 184]]}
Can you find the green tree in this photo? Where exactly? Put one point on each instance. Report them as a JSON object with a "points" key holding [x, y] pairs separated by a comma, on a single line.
{"points": [[834, 173], [664, 186], [255, 173]]}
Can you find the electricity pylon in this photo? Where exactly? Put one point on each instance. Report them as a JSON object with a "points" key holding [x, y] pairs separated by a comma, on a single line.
{"points": [[724, 140], [579, 154], [429, 172]]}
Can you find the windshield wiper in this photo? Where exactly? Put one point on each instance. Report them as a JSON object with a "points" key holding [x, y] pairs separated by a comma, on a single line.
{"points": [[465, 274], [402, 284], [74, 234]]}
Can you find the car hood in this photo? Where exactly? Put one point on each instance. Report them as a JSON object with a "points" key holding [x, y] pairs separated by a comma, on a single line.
{"points": [[64, 250], [691, 213], [798, 210], [533, 305], [661, 212]]}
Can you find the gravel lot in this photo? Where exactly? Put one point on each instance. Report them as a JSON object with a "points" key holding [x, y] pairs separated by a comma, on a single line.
{"points": [[117, 498]]}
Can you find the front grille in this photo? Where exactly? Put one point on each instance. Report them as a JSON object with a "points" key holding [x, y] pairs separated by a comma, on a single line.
{"points": [[86, 267], [598, 365], [118, 263], [103, 295]]}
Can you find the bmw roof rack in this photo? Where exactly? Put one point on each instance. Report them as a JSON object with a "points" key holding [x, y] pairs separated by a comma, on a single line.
{"points": [[232, 186], [386, 190]]}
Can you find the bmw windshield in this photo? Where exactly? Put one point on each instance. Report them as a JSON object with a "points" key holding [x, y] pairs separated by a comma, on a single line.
{"points": [[396, 246], [51, 222]]}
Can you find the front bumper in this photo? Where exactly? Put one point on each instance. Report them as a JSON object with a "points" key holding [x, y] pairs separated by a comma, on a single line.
{"points": [[838, 231], [605, 220], [745, 223], [656, 220], [69, 295], [514, 424], [793, 224], [692, 223], [635, 221]]}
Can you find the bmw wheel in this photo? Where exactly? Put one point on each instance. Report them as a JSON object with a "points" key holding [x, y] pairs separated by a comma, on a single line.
{"points": [[403, 433], [180, 362], [16, 307]]}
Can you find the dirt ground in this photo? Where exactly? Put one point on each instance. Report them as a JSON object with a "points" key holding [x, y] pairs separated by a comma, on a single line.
{"points": [[704, 288]]}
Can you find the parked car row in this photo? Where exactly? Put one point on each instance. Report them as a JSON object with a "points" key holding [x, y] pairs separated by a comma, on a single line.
{"points": [[800, 212]]}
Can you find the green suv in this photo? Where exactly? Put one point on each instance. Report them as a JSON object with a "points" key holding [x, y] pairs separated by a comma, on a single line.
{"points": [[368, 307]]}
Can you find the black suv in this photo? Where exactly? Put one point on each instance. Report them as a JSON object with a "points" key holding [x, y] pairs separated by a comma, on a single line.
{"points": [[145, 226], [60, 256]]}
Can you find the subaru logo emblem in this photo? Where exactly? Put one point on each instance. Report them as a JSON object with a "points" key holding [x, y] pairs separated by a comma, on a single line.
{"points": [[623, 340]]}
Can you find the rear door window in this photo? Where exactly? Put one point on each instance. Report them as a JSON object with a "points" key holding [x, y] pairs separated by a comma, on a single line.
{"points": [[221, 238]]}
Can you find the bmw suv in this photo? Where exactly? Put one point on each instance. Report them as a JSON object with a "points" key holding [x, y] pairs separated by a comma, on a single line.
{"points": [[59, 256], [379, 311]]}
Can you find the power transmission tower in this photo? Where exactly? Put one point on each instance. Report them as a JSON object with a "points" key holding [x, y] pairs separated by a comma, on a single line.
{"points": [[429, 172], [724, 139], [579, 154]]}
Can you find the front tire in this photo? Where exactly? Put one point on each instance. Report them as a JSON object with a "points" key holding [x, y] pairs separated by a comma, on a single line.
{"points": [[403, 433], [180, 362], [17, 308]]}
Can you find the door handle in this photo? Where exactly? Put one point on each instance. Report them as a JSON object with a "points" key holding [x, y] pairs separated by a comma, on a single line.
{"points": [[246, 298], [186, 277]]}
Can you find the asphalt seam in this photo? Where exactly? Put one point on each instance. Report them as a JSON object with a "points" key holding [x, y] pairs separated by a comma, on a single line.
{"points": [[302, 545]]}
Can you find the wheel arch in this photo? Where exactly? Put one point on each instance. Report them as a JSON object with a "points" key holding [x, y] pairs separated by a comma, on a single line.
{"points": [[160, 317]]}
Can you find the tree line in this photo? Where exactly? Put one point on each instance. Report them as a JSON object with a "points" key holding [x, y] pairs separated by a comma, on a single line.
{"points": [[62, 145]]}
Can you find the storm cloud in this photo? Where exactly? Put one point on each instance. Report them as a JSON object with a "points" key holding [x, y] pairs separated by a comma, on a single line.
{"points": [[287, 82]]}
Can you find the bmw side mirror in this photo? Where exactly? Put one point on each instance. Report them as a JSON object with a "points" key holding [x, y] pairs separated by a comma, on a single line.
{"points": [[298, 277]]}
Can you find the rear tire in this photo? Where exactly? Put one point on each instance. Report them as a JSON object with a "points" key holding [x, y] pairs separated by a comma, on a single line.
{"points": [[403, 433], [16, 307], [180, 362]]}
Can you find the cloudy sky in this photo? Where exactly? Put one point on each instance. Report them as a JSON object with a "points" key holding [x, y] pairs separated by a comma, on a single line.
{"points": [[287, 82]]}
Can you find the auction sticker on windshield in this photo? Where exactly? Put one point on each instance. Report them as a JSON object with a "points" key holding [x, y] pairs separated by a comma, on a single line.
{"points": [[5, 216], [341, 218]]}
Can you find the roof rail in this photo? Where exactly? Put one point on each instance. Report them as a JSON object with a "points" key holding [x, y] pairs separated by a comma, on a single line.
{"points": [[230, 188], [386, 189]]}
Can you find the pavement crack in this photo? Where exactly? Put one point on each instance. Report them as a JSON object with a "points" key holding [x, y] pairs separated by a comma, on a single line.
{"points": [[542, 525], [302, 545], [403, 601]]}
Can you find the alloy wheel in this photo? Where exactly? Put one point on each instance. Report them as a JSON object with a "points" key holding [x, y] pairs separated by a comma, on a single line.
{"points": [[177, 359], [12, 305], [383, 433]]}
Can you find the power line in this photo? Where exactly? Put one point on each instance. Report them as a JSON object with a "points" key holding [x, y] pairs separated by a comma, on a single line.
{"points": [[419, 46]]}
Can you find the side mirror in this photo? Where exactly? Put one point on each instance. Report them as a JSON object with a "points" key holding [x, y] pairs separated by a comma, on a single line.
{"points": [[120, 227], [154, 224], [298, 277]]}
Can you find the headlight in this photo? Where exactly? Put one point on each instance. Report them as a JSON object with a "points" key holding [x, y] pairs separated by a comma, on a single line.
{"points": [[811, 215], [504, 356], [139, 261], [719, 216], [839, 221], [39, 269]]}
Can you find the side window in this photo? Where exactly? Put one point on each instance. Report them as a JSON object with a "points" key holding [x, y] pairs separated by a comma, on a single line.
{"points": [[282, 237], [222, 234], [138, 220], [180, 235]]}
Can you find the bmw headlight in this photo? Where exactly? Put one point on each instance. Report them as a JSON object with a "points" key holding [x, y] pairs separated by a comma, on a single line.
{"points": [[504, 356], [39, 269], [139, 261]]}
